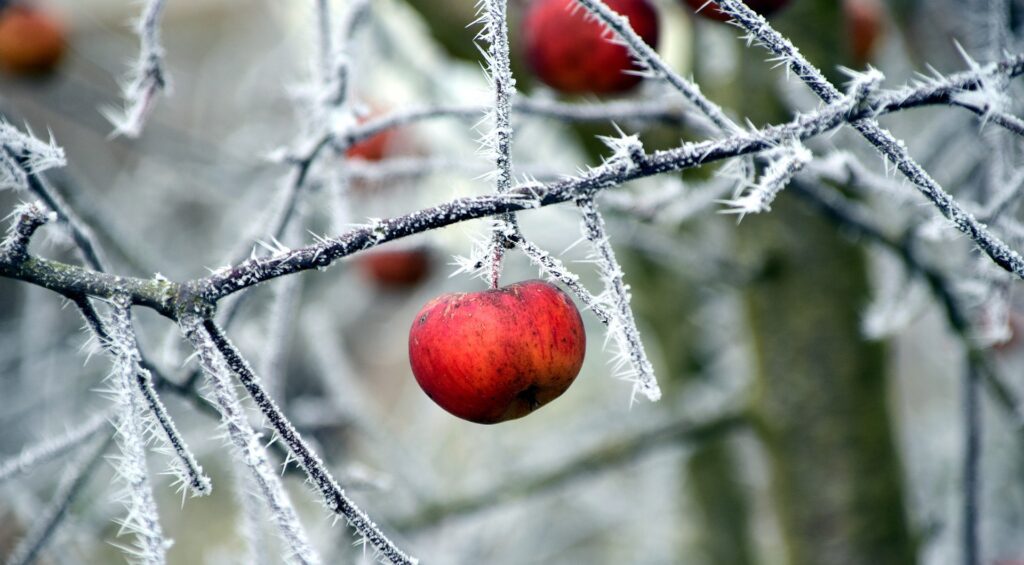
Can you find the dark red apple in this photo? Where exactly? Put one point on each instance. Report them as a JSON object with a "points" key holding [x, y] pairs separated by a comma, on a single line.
{"points": [[396, 268], [865, 23], [574, 55], [710, 11], [31, 40], [499, 354]]}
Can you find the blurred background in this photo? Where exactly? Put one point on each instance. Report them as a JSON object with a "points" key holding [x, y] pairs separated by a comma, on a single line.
{"points": [[843, 366]]}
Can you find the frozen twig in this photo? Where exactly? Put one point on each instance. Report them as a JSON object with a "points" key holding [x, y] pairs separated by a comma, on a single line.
{"points": [[22, 154], [52, 447], [499, 140], [552, 267], [622, 326], [333, 496], [779, 173], [143, 520], [246, 443], [147, 80]]}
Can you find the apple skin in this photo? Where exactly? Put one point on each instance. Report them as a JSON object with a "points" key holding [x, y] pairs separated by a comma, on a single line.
{"points": [[32, 42], [572, 54], [499, 354], [764, 7], [396, 268]]}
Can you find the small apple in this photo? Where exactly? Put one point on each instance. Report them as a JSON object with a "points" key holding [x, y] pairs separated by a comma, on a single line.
{"points": [[710, 11], [865, 23], [32, 41], [396, 268], [499, 354], [572, 53]]}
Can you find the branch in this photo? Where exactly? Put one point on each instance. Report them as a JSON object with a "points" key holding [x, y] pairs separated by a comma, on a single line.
{"points": [[143, 520], [891, 148], [166, 297], [333, 496], [247, 447], [623, 326]]}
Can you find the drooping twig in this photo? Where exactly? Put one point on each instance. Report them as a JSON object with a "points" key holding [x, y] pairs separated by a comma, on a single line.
{"points": [[333, 496], [246, 442], [143, 520], [623, 326]]}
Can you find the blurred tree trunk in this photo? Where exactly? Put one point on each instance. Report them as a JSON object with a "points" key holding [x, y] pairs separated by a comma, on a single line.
{"points": [[820, 401], [711, 478]]}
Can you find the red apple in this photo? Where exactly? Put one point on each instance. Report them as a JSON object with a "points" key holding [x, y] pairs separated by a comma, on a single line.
{"points": [[396, 268], [710, 11], [573, 54], [865, 22], [499, 354], [31, 40]]}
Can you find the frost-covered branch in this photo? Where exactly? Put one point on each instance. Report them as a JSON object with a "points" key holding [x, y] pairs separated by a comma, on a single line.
{"points": [[650, 60], [246, 442], [552, 267], [147, 80], [143, 520], [781, 170], [622, 326], [893, 149], [334, 497], [166, 297]]}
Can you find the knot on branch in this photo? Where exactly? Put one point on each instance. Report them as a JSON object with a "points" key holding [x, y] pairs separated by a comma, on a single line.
{"points": [[192, 303]]}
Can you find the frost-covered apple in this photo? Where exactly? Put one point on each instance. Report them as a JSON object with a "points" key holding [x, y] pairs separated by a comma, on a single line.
{"points": [[31, 40], [710, 10], [572, 53], [499, 354]]}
